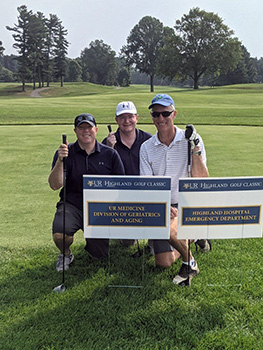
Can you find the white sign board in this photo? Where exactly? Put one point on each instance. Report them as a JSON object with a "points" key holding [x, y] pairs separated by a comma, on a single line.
{"points": [[220, 208], [123, 207]]}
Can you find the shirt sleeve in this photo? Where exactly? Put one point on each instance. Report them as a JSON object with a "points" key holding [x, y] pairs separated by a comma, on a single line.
{"points": [[145, 166], [54, 160], [202, 148]]}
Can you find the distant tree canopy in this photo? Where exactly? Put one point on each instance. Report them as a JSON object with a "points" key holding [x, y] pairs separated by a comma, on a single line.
{"points": [[1, 54], [143, 46], [39, 41], [74, 71], [199, 50], [245, 71], [2, 49], [201, 44], [259, 65], [99, 63], [60, 51]]}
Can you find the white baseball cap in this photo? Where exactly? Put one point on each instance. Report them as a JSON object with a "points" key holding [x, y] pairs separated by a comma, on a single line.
{"points": [[125, 107]]}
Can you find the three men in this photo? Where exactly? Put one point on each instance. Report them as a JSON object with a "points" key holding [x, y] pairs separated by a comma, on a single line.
{"points": [[131, 152]]}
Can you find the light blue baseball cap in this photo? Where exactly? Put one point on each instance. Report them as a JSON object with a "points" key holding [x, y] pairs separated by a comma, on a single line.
{"points": [[162, 99]]}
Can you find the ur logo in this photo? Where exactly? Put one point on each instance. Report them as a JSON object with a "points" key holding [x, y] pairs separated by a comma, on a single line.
{"points": [[190, 186], [90, 183]]}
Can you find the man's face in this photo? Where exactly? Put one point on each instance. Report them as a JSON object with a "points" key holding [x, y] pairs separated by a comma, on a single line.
{"points": [[127, 122], [86, 134], [163, 123]]}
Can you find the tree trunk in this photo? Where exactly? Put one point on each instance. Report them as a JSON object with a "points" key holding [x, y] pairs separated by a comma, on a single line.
{"points": [[151, 80], [34, 77], [39, 76], [23, 86], [196, 78], [61, 81]]}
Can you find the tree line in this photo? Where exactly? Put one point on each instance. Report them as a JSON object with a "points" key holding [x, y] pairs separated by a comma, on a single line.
{"points": [[41, 45], [199, 50]]}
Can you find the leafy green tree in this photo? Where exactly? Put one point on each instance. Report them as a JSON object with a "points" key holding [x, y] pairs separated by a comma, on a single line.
{"points": [[143, 44], [1, 54], [60, 50], [84, 61], [259, 64], [6, 75], [40, 43], [202, 44], [245, 72], [74, 71], [52, 27], [2, 49], [22, 35], [99, 63], [10, 63], [124, 77], [124, 74], [36, 48]]}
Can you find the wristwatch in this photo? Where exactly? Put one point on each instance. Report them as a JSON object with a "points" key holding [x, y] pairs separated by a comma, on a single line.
{"points": [[197, 153]]}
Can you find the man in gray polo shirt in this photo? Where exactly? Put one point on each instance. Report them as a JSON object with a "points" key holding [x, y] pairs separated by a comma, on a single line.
{"points": [[166, 154]]}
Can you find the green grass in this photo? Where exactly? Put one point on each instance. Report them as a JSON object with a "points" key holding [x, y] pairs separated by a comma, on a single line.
{"points": [[215, 313], [230, 105]]}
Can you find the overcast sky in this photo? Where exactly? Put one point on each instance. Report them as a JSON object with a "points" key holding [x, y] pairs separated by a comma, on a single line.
{"points": [[112, 20]]}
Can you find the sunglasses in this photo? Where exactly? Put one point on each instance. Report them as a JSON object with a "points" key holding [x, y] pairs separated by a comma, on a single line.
{"points": [[83, 117], [165, 114]]}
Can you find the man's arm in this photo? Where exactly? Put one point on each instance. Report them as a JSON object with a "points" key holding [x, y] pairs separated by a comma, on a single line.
{"points": [[199, 168], [198, 154], [145, 167], [55, 178]]}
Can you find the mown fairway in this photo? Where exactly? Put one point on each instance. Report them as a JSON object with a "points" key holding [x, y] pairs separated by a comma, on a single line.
{"points": [[231, 105], [223, 309]]}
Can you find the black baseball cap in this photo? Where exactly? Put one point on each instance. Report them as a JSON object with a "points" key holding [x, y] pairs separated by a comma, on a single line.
{"points": [[85, 118]]}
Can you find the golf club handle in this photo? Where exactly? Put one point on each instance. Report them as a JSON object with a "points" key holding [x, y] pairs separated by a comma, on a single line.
{"points": [[109, 128], [64, 141], [64, 138], [189, 159]]}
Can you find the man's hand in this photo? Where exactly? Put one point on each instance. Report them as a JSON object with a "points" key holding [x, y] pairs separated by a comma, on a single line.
{"points": [[111, 140], [63, 151], [173, 213], [191, 136]]}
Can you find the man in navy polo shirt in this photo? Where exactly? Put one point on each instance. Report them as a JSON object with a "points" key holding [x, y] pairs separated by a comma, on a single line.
{"points": [[127, 141], [85, 156]]}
